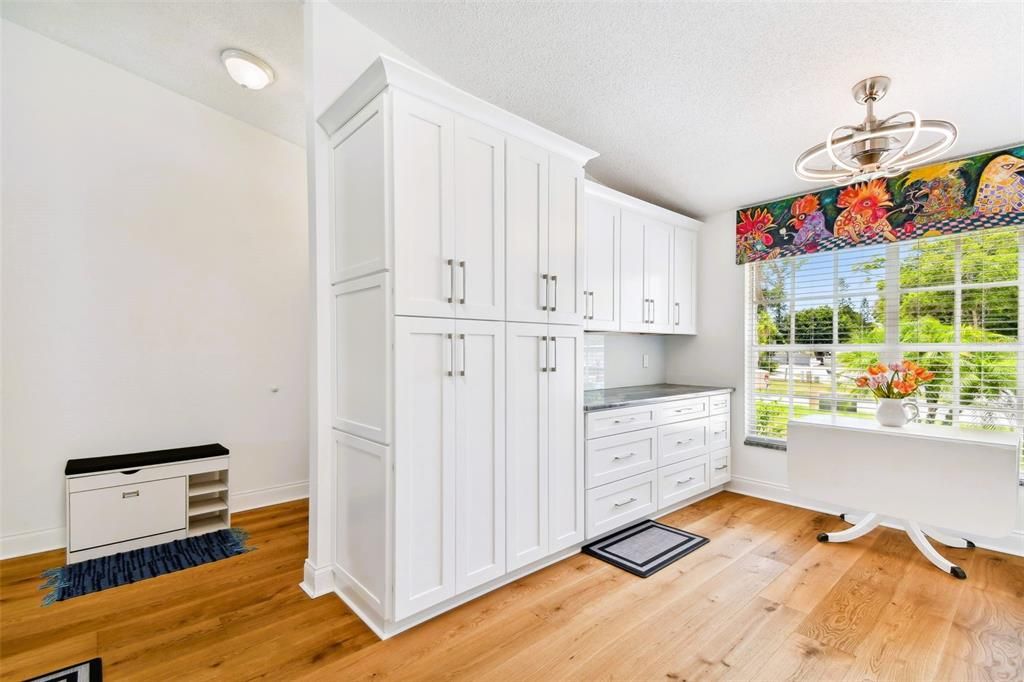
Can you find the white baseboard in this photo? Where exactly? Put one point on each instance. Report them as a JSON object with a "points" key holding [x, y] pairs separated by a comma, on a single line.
{"points": [[33, 542], [1012, 544], [316, 582], [265, 497]]}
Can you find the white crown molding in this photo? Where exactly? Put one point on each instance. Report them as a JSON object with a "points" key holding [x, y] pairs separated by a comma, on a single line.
{"points": [[387, 72], [635, 205]]}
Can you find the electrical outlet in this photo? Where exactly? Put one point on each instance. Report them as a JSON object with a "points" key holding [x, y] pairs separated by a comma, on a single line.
{"points": [[646, 361]]}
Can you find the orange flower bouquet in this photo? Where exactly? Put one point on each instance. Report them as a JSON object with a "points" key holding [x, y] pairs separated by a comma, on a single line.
{"points": [[891, 384], [896, 381]]}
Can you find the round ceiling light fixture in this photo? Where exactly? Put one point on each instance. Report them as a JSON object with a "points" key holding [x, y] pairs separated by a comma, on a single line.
{"points": [[876, 147], [247, 69]]}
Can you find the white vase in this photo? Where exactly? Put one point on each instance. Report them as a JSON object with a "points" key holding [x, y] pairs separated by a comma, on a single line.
{"points": [[894, 412]]}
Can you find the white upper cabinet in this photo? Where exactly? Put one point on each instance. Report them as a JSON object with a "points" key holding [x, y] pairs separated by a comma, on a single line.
{"points": [[658, 275], [424, 208], [528, 294], [601, 277], [640, 265], [633, 308], [565, 241], [684, 281], [479, 221]]}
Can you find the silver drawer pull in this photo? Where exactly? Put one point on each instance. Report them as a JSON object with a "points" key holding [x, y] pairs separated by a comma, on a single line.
{"points": [[691, 478], [687, 410], [684, 442], [130, 493], [724, 466], [622, 421], [632, 454], [718, 433], [623, 504]]}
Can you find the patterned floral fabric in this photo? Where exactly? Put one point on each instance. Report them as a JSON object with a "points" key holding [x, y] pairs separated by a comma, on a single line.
{"points": [[975, 193]]}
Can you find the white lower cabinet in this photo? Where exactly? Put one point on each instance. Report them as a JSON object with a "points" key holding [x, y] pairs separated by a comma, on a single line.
{"points": [[682, 480], [545, 455], [449, 459], [615, 504], [648, 458]]}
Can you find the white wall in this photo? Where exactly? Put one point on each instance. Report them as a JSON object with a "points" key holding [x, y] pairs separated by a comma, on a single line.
{"points": [[621, 359], [337, 51], [154, 284], [716, 356]]}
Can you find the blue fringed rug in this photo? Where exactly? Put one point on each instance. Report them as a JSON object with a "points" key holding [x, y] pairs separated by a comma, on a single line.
{"points": [[94, 575]]}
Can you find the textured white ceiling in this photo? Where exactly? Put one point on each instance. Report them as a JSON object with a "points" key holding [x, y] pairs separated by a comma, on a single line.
{"points": [[177, 44], [703, 107]]}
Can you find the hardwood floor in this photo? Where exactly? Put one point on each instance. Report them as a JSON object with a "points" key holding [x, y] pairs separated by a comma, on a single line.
{"points": [[762, 601]]}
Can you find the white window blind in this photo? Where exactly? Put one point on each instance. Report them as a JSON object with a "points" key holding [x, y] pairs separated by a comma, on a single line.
{"points": [[952, 304]]}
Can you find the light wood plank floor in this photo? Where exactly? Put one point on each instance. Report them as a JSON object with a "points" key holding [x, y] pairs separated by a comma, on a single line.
{"points": [[762, 601]]}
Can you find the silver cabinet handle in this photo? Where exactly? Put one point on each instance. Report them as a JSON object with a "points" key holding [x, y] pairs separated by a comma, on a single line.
{"points": [[724, 466], [462, 266], [684, 442], [554, 281], [623, 504], [677, 313], [626, 456], [544, 342], [718, 433], [554, 347], [621, 421], [462, 338], [652, 311], [591, 305], [129, 493], [451, 354], [681, 482], [451, 280], [544, 280]]}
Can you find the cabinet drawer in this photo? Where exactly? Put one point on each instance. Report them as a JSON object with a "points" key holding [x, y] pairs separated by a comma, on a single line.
{"points": [[719, 404], [613, 458], [616, 504], [693, 408], [718, 432], [109, 515], [609, 422], [720, 467], [683, 480], [681, 441]]}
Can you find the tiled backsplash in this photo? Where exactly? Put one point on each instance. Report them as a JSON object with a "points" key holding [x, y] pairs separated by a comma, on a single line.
{"points": [[593, 361]]}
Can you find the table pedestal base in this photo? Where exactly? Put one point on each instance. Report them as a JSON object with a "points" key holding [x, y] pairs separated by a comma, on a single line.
{"points": [[917, 536]]}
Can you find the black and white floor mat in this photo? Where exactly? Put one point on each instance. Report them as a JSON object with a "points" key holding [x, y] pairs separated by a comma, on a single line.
{"points": [[644, 548]]}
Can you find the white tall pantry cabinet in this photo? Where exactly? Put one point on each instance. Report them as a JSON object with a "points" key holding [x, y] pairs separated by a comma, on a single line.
{"points": [[457, 289]]}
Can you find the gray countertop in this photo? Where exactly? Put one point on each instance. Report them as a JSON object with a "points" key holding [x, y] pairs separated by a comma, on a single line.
{"points": [[607, 398]]}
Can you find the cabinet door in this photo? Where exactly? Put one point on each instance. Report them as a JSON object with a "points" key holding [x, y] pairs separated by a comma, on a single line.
{"points": [[423, 208], [528, 356], [424, 453], [527, 290], [684, 282], [479, 221], [633, 308], [565, 241], [479, 452], [601, 263], [565, 437], [658, 275]]}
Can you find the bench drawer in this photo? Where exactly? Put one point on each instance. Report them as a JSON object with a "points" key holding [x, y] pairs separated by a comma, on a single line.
{"points": [[616, 504], [721, 466], [613, 458], [681, 441], [610, 422], [679, 410], [680, 481], [120, 513]]}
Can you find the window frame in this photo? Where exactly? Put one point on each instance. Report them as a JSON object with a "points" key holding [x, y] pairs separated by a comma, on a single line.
{"points": [[888, 350]]}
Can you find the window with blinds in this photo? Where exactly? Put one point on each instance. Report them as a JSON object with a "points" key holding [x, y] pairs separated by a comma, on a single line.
{"points": [[952, 304]]}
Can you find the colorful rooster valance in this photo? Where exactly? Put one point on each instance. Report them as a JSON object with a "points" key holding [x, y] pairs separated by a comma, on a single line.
{"points": [[978, 192]]}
